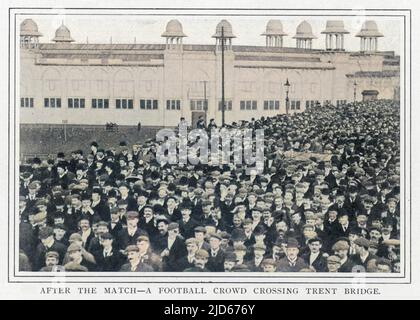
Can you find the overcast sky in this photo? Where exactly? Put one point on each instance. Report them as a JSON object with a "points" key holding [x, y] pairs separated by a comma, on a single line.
{"points": [[199, 29]]}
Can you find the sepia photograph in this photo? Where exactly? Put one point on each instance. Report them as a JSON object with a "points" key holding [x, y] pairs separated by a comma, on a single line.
{"points": [[137, 155]]}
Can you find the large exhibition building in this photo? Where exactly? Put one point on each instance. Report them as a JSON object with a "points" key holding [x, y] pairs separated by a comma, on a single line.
{"points": [[156, 84]]}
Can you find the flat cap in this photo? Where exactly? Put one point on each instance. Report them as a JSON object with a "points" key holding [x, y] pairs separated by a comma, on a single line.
{"points": [[341, 245], [45, 232], [75, 237], [201, 254], [132, 248], [362, 242], [173, 225], [74, 247], [334, 259], [271, 262]]}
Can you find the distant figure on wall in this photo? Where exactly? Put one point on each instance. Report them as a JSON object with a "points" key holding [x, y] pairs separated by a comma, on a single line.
{"points": [[139, 126], [200, 123]]}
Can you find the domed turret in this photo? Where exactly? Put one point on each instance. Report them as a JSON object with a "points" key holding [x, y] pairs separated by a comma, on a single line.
{"points": [[304, 36], [29, 34], [224, 28], [334, 28], [274, 34], [369, 35], [173, 34], [62, 34]]}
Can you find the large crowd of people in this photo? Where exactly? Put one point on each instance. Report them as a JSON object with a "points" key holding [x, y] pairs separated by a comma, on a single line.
{"points": [[328, 200]]}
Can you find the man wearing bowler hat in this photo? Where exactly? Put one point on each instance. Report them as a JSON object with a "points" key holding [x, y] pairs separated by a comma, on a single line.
{"points": [[292, 262]]}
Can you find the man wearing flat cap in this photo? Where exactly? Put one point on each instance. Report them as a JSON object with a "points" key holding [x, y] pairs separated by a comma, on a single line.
{"points": [[147, 255], [216, 254], [269, 265], [134, 261], [341, 249], [51, 261], [188, 260], [107, 256], [186, 224], [200, 236], [292, 262], [200, 262], [128, 236], [333, 263], [314, 258], [47, 243], [174, 249], [75, 255]]}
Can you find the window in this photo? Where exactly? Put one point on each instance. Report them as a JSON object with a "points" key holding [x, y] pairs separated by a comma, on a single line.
{"points": [[271, 105], [311, 103], [52, 102], [248, 105], [173, 104], [124, 103], [26, 102], [341, 102], [295, 105], [228, 105], [76, 103], [100, 103], [198, 105], [148, 104]]}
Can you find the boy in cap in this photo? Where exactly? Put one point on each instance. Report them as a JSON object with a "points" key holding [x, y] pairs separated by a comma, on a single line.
{"points": [[186, 224], [128, 236], [174, 249], [363, 255], [341, 250], [75, 255], [216, 254], [230, 261], [291, 263], [269, 265], [48, 243], [199, 235], [333, 263], [51, 261], [255, 264], [134, 262], [147, 256], [188, 261], [201, 259], [314, 258]]}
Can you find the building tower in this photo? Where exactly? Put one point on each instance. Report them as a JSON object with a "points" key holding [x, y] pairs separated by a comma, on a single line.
{"points": [[304, 36], [334, 29], [29, 35], [62, 35], [227, 34], [173, 34], [274, 34], [369, 35]]}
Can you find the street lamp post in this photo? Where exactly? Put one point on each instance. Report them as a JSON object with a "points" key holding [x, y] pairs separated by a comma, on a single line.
{"points": [[354, 91], [223, 77], [287, 86]]}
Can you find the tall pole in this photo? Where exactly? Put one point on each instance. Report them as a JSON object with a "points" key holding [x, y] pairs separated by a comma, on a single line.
{"points": [[205, 98], [354, 91], [223, 77]]}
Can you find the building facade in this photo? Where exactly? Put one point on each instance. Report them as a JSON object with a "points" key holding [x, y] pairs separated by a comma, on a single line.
{"points": [[93, 84]]}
